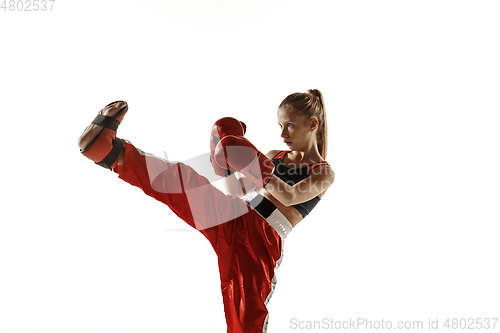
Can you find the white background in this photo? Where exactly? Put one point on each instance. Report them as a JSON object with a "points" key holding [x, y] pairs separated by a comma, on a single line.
{"points": [[409, 230]]}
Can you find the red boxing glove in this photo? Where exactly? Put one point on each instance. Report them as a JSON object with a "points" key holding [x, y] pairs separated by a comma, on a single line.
{"points": [[241, 155], [222, 127]]}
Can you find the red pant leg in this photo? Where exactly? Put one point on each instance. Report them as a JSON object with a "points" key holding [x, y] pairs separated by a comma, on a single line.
{"points": [[189, 195], [247, 274]]}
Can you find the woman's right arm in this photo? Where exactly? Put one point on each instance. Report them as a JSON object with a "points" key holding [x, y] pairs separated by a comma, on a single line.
{"points": [[238, 185]]}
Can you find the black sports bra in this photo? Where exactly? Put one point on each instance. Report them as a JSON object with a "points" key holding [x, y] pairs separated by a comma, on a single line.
{"points": [[293, 176]]}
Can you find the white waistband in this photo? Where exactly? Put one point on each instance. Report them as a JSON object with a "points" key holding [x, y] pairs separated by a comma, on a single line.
{"points": [[276, 220], [280, 223]]}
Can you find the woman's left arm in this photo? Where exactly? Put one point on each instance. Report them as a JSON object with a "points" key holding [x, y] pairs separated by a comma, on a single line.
{"points": [[319, 180]]}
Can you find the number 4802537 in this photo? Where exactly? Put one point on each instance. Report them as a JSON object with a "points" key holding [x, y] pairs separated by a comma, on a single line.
{"points": [[27, 5]]}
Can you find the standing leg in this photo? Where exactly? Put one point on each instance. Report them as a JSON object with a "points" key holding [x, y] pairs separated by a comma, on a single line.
{"points": [[247, 274]]}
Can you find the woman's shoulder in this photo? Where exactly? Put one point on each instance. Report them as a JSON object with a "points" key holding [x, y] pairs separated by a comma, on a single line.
{"points": [[323, 170], [273, 153]]}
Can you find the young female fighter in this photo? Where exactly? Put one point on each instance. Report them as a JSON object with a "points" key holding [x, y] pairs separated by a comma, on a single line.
{"points": [[246, 233]]}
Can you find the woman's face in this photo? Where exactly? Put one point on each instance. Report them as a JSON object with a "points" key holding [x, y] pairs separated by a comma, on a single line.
{"points": [[296, 130]]}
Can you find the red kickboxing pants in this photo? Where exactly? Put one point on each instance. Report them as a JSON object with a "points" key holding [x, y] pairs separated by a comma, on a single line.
{"points": [[247, 247]]}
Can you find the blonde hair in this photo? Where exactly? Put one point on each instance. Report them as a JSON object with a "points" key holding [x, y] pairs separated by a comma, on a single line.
{"points": [[310, 104]]}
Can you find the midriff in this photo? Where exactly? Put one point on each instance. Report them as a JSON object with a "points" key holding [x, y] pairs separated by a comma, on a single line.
{"points": [[292, 214]]}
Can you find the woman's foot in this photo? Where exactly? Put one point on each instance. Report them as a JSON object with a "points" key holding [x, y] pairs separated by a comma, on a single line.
{"points": [[98, 141]]}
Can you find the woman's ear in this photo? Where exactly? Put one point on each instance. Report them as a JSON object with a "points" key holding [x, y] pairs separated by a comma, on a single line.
{"points": [[313, 124]]}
